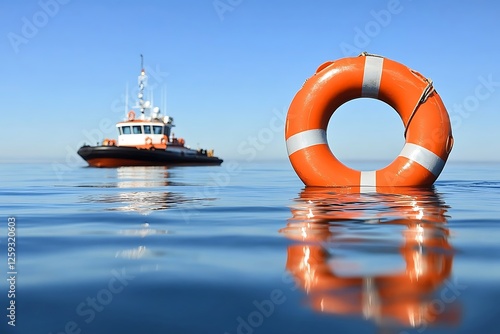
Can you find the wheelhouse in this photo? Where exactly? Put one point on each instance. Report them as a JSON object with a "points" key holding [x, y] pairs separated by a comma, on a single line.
{"points": [[137, 133], [146, 129]]}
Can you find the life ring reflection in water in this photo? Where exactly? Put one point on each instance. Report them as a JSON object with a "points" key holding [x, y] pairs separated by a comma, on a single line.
{"points": [[339, 262], [428, 135]]}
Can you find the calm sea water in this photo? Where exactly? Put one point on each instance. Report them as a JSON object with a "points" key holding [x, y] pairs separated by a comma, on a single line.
{"points": [[244, 248]]}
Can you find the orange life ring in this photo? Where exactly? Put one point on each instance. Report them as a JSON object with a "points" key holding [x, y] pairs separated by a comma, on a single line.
{"points": [[149, 141], [428, 132], [109, 142], [164, 140], [131, 115]]}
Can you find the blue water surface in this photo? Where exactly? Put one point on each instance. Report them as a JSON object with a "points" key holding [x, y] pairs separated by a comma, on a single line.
{"points": [[245, 248]]}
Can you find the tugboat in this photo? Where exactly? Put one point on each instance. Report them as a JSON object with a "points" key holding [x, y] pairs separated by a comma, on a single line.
{"points": [[146, 140]]}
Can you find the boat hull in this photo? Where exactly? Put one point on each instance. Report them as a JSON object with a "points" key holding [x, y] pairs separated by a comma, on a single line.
{"points": [[117, 156]]}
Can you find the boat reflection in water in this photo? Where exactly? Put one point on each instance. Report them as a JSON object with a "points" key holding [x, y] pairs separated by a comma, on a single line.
{"points": [[142, 197], [383, 256], [142, 190]]}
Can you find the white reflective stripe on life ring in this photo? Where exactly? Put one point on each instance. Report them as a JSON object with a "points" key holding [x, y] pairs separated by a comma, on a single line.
{"points": [[372, 76], [305, 139], [368, 182], [423, 157]]}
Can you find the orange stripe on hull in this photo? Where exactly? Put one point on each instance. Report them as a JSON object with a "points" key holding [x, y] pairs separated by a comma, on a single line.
{"points": [[113, 162]]}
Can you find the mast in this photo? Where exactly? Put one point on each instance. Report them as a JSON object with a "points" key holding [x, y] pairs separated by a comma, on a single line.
{"points": [[142, 81], [126, 100], [164, 99]]}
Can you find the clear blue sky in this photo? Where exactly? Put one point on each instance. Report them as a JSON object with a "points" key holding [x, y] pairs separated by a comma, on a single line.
{"points": [[232, 67]]}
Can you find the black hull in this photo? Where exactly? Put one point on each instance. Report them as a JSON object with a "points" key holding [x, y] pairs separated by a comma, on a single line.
{"points": [[115, 156]]}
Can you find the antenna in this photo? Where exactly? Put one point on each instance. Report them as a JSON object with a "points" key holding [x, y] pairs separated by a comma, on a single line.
{"points": [[162, 101], [164, 97], [142, 81], [126, 100], [151, 98]]}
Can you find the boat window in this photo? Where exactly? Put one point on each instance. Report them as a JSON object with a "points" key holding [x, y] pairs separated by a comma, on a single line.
{"points": [[120, 130], [147, 129], [157, 129], [137, 129], [126, 130]]}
